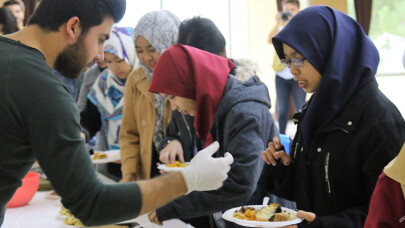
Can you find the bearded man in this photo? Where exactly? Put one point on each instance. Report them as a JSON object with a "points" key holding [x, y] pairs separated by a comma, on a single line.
{"points": [[39, 120]]}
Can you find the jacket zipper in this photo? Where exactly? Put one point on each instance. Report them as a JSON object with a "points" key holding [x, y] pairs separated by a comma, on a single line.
{"points": [[327, 172], [188, 128], [297, 145]]}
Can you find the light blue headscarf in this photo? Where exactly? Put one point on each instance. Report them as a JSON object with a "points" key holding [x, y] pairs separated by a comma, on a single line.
{"points": [[108, 90]]}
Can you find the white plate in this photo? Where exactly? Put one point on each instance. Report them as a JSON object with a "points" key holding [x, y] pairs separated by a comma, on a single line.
{"points": [[112, 156], [164, 167], [227, 215]]}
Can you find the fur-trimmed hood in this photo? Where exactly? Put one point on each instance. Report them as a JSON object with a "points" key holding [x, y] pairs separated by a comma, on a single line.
{"points": [[245, 68]]}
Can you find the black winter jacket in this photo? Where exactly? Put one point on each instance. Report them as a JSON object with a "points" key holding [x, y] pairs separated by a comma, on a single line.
{"points": [[181, 129], [336, 178]]}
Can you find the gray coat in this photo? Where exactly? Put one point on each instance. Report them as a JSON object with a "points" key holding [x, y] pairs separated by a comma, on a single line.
{"points": [[243, 125]]}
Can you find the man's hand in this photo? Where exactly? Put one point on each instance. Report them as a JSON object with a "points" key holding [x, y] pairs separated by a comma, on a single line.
{"points": [[153, 218], [206, 173], [169, 153], [130, 177], [273, 153]]}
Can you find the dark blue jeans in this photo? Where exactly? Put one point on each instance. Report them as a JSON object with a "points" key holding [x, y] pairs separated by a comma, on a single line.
{"points": [[284, 89]]}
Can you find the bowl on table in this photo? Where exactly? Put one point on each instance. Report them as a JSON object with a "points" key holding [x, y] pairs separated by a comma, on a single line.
{"points": [[26, 191]]}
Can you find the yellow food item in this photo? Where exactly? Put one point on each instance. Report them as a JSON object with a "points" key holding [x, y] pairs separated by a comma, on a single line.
{"points": [[98, 155], [73, 221], [70, 219], [283, 216], [177, 164], [250, 214], [64, 211]]}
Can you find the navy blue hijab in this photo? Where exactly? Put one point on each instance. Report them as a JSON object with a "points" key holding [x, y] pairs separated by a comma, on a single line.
{"points": [[340, 51]]}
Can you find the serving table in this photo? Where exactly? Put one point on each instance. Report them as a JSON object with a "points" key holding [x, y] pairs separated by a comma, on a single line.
{"points": [[43, 212]]}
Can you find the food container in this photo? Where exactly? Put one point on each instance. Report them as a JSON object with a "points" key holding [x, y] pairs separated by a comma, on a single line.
{"points": [[26, 192]]}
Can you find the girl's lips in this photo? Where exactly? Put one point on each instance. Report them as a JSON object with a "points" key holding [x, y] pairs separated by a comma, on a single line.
{"points": [[185, 112], [302, 84], [151, 65]]}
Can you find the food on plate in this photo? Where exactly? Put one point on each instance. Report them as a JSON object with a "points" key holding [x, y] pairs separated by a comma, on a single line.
{"points": [[270, 213], [177, 164], [98, 155], [283, 216], [265, 213]]}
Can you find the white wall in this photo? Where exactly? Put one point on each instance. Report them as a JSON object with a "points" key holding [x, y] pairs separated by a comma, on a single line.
{"points": [[229, 16]]}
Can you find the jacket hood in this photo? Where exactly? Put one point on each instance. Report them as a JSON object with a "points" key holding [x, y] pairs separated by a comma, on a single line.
{"points": [[236, 92], [244, 69]]}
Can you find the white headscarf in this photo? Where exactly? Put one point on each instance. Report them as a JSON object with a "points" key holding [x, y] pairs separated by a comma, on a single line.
{"points": [[108, 89], [161, 29]]}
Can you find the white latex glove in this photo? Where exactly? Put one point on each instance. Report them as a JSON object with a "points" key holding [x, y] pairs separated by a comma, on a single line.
{"points": [[206, 173]]}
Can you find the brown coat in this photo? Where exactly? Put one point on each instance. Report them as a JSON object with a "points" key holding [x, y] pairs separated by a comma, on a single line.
{"points": [[138, 126]]}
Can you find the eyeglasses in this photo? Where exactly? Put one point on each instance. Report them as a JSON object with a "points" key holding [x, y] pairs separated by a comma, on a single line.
{"points": [[296, 62]]}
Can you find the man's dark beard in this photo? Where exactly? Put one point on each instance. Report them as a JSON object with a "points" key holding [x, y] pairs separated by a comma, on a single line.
{"points": [[73, 60]]}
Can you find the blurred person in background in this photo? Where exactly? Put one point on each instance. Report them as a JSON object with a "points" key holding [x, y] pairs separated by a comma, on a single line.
{"points": [[8, 22], [39, 120], [17, 7], [285, 84], [103, 111], [88, 79], [146, 115], [71, 84], [347, 131]]}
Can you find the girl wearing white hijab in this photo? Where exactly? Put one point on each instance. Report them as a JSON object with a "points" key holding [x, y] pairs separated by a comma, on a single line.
{"points": [[146, 115], [103, 110], [387, 206]]}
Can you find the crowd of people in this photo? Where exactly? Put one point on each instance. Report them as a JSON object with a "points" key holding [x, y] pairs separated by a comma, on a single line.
{"points": [[166, 91]]}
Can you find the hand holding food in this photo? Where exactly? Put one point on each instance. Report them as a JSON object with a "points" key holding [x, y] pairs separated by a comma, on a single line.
{"points": [[206, 173], [171, 151], [274, 152]]}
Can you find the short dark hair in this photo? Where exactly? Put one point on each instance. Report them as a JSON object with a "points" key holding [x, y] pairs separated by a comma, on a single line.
{"points": [[8, 21], [51, 14], [295, 2], [14, 2], [202, 33]]}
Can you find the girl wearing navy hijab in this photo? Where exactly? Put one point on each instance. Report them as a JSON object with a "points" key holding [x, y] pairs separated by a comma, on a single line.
{"points": [[348, 130]]}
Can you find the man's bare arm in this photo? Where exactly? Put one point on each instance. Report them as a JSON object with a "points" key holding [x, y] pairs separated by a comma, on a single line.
{"points": [[161, 190], [204, 173]]}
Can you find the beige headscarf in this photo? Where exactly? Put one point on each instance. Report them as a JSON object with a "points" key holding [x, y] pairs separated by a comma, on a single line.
{"points": [[396, 169]]}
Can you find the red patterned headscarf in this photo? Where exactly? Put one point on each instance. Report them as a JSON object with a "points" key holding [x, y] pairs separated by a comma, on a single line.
{"points": [[191, 73]]}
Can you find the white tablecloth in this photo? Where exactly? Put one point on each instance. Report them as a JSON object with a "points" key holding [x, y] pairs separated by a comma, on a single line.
{"points": [[43, 212]]}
